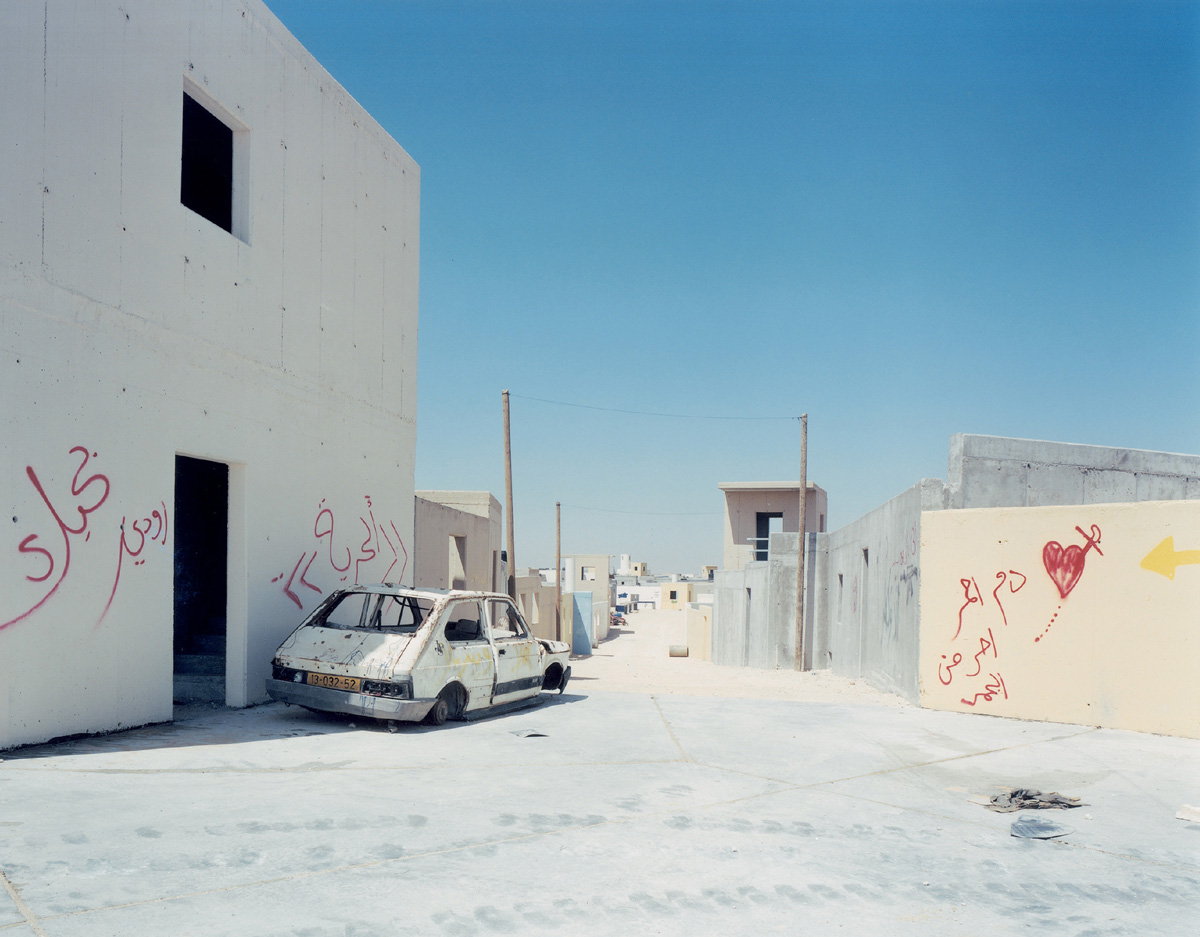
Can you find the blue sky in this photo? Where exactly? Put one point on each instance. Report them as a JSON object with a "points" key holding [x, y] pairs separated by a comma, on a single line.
{"points": [[905, 219]]}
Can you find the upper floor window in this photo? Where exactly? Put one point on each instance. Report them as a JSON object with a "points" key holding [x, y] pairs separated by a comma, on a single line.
{"points": [[206, 176], [214, 170]]}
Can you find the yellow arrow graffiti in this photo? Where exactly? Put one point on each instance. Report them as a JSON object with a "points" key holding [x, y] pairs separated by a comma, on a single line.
{"points": [[1163, 558]]}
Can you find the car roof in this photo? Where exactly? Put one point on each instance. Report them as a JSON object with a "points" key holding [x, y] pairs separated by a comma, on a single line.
{"points": [[393, 588]]}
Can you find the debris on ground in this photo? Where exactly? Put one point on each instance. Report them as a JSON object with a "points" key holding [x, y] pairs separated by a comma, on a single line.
{"points": [[1187, 812], [1023, 798], [1028, 826]]}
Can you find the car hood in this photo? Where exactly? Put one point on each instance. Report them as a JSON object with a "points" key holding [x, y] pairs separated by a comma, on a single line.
{"points": [[335, 650]]}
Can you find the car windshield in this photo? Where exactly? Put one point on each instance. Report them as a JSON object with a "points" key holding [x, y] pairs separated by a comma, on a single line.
{"points": [[374, 611]]}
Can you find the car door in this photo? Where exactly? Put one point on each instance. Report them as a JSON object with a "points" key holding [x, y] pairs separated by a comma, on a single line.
{"points": [[458, 652], [518, 661]]}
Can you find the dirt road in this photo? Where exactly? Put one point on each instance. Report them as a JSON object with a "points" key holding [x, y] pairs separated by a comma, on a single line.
{"points": [[635, 659]]}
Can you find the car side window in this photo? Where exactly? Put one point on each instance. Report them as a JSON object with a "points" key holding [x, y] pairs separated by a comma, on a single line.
{"points": [[464, 624], [506, 622]]}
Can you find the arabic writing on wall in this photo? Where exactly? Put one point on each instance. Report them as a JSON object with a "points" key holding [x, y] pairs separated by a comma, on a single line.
{"points": [[380, 541], [972, 662], [48, 553]]}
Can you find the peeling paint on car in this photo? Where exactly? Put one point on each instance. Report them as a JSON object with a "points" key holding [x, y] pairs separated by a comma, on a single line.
{"points": [[471, 649]]}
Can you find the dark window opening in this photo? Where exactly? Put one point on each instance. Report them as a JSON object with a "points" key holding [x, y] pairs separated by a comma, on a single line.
{"points": [[767, 523], [206, 172]]}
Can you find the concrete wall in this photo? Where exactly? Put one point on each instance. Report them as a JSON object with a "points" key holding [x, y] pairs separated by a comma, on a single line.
{"points": [[1068, 614], [766, 638], [133, 329], [739, 599], [474, 518], [745, 500], [535, 598], [994, 471], [574, 580], [698, 621], [869, 612], [869, 624]]}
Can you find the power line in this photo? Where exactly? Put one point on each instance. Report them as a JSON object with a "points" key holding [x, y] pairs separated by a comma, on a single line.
{"points": [[673, 416], [580, 507]]}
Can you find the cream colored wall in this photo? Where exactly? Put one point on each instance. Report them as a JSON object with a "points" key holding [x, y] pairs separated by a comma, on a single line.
{"points": [[683, 595], [1064, 614], [699, 631]]}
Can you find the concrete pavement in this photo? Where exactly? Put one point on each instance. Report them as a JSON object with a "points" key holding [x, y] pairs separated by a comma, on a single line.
{"points": [[597, 813]]}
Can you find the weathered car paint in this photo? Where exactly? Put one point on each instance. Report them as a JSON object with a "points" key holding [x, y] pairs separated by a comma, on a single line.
{"points": [[493, 673]]}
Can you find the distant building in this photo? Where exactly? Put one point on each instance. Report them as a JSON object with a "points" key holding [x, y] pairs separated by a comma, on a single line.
{"points": [[755, 510], [589, 573]]}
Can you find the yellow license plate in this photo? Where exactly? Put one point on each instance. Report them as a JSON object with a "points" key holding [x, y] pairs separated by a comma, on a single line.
{"points": [[335, 682]]}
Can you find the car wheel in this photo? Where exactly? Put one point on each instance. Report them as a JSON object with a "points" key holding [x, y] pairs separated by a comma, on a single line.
{"points": [[563, 684], [440, 712]]}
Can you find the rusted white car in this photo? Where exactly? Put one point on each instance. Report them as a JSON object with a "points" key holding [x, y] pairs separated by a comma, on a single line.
{"points": [[391, 652]]}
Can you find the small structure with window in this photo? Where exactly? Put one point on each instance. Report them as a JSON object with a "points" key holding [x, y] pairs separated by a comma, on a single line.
{"points": [[755, 510]]}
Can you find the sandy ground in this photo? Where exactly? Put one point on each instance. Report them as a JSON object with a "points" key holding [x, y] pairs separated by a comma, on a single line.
{"points": [[635, 659]]}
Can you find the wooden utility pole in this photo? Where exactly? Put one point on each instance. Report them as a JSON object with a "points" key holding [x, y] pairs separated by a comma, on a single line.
{"points": [[558, 571], [512, 559], [798, 663]]}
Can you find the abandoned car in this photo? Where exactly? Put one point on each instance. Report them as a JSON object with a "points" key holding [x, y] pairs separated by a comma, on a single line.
{"points": [[392, 652]]}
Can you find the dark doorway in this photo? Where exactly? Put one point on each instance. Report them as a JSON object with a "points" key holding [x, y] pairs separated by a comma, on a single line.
{"points": [[201, 562], [767, 523]]}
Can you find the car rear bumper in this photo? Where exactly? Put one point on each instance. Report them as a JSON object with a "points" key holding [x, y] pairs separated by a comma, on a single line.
{"points": [[352, 704]]}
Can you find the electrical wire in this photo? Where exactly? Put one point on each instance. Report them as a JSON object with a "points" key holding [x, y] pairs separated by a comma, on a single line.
{"points": [[673, 416], [580, 507]]}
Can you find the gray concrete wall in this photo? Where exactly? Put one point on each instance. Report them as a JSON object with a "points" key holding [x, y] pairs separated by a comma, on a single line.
{"points": [[734, 610], [995, 471], [435, 522], [872, 602], [781, 601]]}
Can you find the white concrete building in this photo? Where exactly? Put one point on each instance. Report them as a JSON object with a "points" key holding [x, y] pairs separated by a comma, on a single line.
{"points": [[208, 323]]}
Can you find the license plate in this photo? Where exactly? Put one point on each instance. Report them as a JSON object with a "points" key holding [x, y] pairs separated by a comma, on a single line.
{"points": [[335, 682]]}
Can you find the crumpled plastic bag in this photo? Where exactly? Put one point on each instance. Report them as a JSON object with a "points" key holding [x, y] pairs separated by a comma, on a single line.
{"points": [[1024, 799]]}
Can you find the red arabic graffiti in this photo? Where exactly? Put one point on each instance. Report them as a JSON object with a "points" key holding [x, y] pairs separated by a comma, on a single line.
{"points": [[1008, 583], [67, 532], [1013, 587], [91, 493], [990, 689], [158, 521], [376, 543], [1065, 566], [971, 600]]}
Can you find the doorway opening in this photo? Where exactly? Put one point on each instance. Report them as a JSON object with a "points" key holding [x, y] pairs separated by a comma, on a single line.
{"points": [[201, 573], [766, 523], [458, 562]]}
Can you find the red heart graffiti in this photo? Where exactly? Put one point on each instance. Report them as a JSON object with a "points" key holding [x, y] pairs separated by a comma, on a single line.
{"points": [[1064, 566]]}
